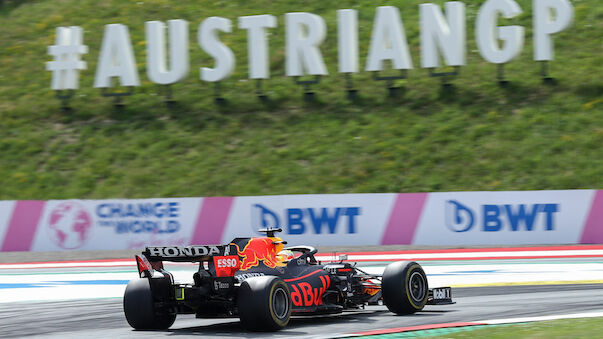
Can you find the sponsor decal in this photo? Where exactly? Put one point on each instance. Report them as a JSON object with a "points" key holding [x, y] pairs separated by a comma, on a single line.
{"points": [[187, 251], [296, 221], [256, 251], [221, 285], [226, 266], [70, 225], [227, 262], [494, 218], [442, 293], [241, 277], [141, 217], [303, 294]]}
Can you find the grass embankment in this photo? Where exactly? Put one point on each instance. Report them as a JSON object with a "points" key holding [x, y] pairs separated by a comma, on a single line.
{"points": [[585, 328], [478, 137]]}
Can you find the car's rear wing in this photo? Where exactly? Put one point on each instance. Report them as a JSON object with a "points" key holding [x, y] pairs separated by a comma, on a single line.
{"points": [[193, 253], [152, 258]]}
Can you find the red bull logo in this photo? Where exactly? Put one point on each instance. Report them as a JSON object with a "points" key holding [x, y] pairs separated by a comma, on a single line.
{"points": [[258, 250], [304, 294]]}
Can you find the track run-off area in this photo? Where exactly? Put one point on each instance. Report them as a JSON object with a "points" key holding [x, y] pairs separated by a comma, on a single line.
{"points": [[490, 286]]}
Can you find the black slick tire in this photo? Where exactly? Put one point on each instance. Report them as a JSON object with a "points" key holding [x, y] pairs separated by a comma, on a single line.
{"points": [[140, 310], [404, 287], [264, 303]]}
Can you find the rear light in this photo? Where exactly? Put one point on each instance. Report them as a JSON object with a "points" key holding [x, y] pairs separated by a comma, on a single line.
{"points": [[145, 269]]}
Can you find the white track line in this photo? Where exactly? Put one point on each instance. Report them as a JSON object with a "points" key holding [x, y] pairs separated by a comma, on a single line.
{"points": [[542, 318]]}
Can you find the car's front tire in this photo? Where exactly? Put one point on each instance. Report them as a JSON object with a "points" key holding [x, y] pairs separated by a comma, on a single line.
{"points": [[139, 307], [404, 287], [264, 303]]}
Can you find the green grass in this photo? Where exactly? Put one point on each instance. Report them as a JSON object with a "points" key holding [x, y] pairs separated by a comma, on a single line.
{"points": [[569, 328], [526, 136]]}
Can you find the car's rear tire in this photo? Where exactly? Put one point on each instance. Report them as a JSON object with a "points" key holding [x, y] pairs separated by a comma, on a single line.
{"points": [[404, 286], [264, 303], [139, 306]]}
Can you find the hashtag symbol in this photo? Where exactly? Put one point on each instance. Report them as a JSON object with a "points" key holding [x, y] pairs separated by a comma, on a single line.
{"points": [[67, 51]]}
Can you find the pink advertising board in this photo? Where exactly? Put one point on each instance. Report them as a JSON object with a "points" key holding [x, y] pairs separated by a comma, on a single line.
{"points": [[438, 219]]}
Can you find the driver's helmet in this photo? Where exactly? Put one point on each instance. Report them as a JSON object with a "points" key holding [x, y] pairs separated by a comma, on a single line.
{"points": [[285, 255]]}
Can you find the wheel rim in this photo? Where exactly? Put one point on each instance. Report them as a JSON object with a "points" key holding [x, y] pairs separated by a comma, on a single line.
{"points": [[416, 286], [280, 303]]}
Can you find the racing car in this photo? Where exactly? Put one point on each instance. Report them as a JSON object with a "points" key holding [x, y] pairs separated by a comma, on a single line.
{"points": [[264, 283]]}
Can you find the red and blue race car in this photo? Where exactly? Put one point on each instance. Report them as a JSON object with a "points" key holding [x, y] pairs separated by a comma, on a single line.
{"points": [[264, 283]]}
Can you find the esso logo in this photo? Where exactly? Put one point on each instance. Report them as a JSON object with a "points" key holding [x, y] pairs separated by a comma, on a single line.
{"points": [[226, 266], [227, 262]]}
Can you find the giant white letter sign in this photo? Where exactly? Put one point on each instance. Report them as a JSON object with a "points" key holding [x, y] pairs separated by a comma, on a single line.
{"points": [[347, 38], [156, 57], [257, 44], [388, 41], [488, 34], [116, 59], [67, 51], [449, 36], [209, 41], [304, 33], [545, 25]]}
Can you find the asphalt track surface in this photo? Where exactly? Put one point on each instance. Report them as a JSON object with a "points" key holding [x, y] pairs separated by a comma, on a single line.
{"points": [[105, 319]]}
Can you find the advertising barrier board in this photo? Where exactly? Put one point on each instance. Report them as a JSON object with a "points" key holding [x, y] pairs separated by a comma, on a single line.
{"points": [[491, 218], [338, 219], [437, 219]]}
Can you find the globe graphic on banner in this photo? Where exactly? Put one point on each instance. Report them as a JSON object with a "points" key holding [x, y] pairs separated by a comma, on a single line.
{"points": [[70, 224]]}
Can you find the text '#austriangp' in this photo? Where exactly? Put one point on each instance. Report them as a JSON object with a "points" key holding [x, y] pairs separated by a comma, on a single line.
{"points": [[443, 37], [144, 217]]}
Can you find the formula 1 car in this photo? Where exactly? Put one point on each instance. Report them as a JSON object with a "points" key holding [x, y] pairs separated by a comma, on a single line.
{"points": [[264, 283]]}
